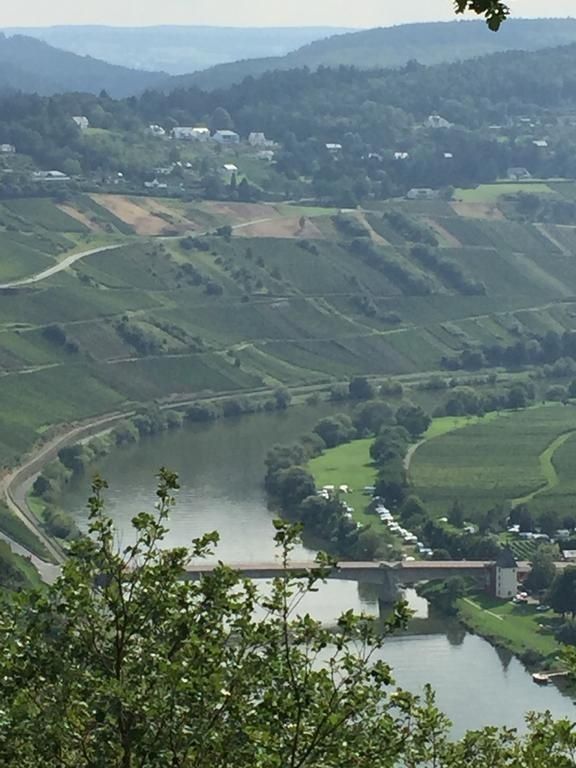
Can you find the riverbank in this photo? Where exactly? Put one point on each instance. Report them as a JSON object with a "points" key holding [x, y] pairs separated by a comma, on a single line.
{"points": [[521, 629]]}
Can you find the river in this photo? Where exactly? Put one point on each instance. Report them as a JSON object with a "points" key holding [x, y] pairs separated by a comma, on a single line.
{"points": [[221, 470]]}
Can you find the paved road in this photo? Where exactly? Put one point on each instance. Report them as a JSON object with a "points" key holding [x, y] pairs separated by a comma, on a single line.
{"points": [[62, 265]]}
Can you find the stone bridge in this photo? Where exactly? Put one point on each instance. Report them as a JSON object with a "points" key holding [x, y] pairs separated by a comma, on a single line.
{"points": [[389, 577]]}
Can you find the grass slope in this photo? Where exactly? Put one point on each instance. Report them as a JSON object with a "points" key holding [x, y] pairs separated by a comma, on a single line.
{"points": [[154, 319]]}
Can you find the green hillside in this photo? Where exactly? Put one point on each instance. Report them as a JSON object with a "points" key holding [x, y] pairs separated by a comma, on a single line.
{"points": [[395, 46], [32, 65], [163, 317]]}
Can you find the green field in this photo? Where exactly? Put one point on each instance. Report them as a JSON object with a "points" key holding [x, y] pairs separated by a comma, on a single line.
{"points": [[520, 628], [489, 193], [349, 464], [507, 458]]}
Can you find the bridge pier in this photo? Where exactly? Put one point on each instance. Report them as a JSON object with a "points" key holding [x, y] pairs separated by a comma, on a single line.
{"points": [[388, 588]]}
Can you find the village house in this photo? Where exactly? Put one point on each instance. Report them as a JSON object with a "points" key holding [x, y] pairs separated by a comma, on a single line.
{"points": [[229, 170], [436, 121], [401, 155], [156, 130], [540, 143], [50, 176], [334, 148], [155, 184], [190, 133], [82, 122], [266, 154], [7, 149], [421, 193], [518, 174], [226, 137], [258, 139]]}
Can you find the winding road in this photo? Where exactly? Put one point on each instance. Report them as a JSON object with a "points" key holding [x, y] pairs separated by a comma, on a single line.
{"points": [[66, 262]]}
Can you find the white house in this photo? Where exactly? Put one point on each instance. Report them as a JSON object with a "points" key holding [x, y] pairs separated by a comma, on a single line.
{"points": [[266, 154], [421, 193], [226, 137], [82, 122], [436, 121], [401, 155], [191, 133], [229, 170], [7, 149], [258, 139], [540, 143], [517, 174], [448, 156], [505, 576], [155, 184], [50, 176], [156, 130], [334, 148]]}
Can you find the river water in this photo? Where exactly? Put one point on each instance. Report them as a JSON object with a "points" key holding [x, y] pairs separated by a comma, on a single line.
{"points": [[221, 470]]}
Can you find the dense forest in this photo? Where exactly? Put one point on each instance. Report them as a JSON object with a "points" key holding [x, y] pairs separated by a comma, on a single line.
{"points": [[522, 118]]}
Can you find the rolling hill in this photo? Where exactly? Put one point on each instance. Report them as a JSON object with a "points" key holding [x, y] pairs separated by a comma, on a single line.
{"points": [[395, 46], [175, 49], [300, 297], [31, 65]]}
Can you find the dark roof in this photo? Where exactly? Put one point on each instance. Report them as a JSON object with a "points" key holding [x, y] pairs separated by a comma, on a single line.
{"points": [[506, 559]]}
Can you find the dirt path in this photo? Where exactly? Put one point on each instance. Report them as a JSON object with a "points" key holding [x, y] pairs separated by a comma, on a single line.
{"points": [[546, 461], [60, 267]]}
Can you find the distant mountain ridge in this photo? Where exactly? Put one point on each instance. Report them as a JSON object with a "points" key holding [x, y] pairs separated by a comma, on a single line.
{"points": [[428, 43], [31, 65], [176, 49]]}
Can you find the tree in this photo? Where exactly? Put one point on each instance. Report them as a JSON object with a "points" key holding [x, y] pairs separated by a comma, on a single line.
{"points": [[413, 418], [282, 398], [361, 389], [293, 485], [221, 120], [335, 430], [562, 596], [543, 570], [456, 514], [372, 416]]}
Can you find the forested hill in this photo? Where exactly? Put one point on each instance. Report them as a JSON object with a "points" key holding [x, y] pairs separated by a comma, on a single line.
{"points": [[502, 111], [176, 49], [31, 65], [395, 46]]}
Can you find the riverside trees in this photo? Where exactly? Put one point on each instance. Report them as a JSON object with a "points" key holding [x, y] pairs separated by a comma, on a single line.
{"points": [[124, 664]]}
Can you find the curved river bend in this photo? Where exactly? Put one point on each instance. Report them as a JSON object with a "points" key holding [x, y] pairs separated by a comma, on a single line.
{"points": [[221, 469]]}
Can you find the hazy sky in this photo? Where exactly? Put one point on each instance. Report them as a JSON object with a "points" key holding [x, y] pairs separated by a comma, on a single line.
{"points": [[360, 13]]}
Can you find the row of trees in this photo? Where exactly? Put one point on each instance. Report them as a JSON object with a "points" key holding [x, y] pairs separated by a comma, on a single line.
{"points": [[533, 350]]}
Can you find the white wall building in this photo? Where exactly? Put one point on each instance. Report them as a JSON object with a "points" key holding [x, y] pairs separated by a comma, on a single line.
{"points": [[506, 575], [7, 149], [258, 139], [82, 122], [191, 133], [156, 130], [226, 137], [436, 121]]}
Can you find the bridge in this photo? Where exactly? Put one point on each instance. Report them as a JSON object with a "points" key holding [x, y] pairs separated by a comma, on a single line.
{"points": [[389, 577]]}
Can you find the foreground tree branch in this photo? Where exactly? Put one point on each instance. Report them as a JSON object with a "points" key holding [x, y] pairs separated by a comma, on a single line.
{"points": [[494, 11]]}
